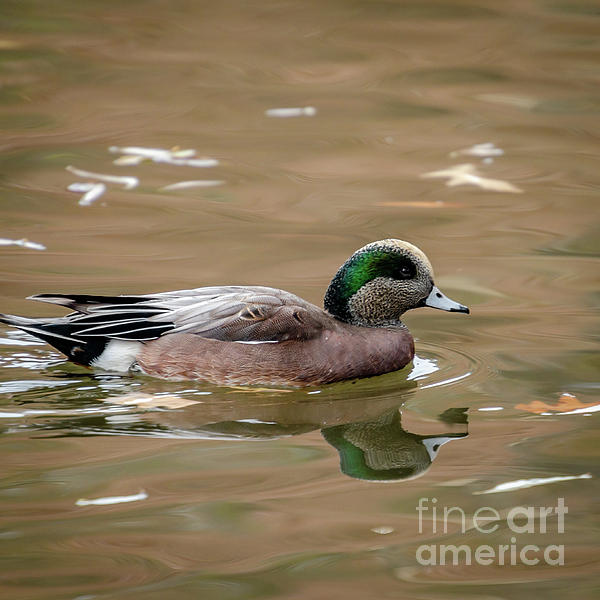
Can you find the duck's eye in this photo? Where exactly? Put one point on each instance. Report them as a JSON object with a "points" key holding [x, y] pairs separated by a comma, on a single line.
{"points": [[406, 272]]}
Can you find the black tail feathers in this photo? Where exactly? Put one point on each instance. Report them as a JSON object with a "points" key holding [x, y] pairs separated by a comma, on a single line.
{"points": [[83, 301], [59, 334]]}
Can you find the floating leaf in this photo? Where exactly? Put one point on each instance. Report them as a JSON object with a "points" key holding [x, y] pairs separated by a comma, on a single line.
{"points": [[149, 401], [567, 403]]}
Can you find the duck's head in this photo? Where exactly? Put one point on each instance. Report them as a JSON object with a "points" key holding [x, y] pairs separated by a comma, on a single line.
{"points": [[383, 280]]}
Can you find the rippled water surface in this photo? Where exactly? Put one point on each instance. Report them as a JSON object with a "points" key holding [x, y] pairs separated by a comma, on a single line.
{"points": [[132, 487]]}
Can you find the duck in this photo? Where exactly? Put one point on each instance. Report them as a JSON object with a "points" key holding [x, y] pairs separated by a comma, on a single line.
{"points": [[254, 335]]}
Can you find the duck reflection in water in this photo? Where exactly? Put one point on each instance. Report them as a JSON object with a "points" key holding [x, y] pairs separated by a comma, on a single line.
{"points": [[382, 450], [376, 449], [368, 435]]}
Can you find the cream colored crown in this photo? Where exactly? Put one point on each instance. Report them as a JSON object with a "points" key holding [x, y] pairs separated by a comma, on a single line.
{"points": [[411, 248]]}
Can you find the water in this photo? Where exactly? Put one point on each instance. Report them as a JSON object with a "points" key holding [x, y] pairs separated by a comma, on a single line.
{"points": [[129, 487]]}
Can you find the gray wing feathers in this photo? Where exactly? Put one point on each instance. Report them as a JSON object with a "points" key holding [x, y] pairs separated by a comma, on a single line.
{"points": [[229, 313], [240, 314]]}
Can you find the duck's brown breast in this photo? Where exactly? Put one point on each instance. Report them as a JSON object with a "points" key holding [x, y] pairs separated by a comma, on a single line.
{"points": [[345, 352]]}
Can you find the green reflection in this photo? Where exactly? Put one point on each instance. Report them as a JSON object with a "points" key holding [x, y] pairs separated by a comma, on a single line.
{"points": [[382, 450]]}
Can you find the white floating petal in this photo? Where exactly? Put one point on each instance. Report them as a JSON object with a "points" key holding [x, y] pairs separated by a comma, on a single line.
{"points": [[183, 185], [134, 155], [467, 174], [153, 153], [112, 499], [187, 153], [23, 242], [80, 187], [521, 484], [150, 153], [483, 150], [126, 181], [302, 111], [92, 194], [191, 162], [127, 160], [31, 245]]}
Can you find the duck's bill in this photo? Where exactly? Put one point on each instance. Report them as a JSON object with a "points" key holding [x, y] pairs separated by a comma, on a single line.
{"points": [[437, 300], [433, 443]]}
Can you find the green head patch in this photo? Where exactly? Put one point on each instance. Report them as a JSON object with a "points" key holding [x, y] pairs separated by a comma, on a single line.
{"points": [[379, 259]]}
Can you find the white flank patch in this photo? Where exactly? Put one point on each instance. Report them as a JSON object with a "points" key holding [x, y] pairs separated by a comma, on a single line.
{"points": [[111, 499], [118, 356]]}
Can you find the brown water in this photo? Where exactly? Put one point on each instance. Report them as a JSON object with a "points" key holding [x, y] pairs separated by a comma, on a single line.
{"points": [[238, 493]]}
